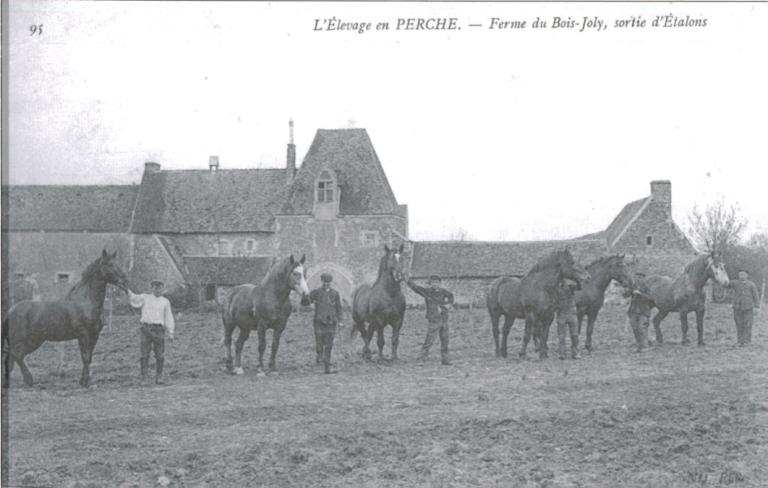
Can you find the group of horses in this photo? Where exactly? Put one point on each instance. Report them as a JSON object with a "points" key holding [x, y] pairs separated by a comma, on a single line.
{"points": [[267, 305]]}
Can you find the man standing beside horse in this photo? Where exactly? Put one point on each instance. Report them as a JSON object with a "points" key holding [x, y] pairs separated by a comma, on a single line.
{"points": [[745, 300], [156, 322], [327, 317], [437, 299], [566, 318], [639, 312]]}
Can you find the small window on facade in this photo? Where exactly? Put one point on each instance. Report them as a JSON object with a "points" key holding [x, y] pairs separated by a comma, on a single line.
{"points": [[62, 277], [210, 292], [325, 188], [225, 248], [369, 238], [249, 245], [649, 241]]}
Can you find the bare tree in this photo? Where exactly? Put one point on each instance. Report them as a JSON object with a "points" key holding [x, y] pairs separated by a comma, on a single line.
{"points": [[717, 228], [460, 234], [758, 241]]}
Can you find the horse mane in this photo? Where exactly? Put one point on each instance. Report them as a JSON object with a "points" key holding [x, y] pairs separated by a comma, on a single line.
{"points": [[276, 271], [382, 266], [601, 260], [547, 262], [693, 264], [88, 274]]}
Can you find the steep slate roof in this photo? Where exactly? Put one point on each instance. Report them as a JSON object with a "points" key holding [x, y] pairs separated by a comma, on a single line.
{"points": [[226, 200], [623, 219], [227, 270], [93, 208], [360, 177], [470, 259]]}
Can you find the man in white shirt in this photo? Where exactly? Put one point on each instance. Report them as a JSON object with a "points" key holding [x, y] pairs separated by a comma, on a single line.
{"points": [[156, 323]]}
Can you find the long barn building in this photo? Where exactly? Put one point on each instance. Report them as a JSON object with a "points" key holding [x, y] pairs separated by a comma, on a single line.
{"points": [[205, 230]]}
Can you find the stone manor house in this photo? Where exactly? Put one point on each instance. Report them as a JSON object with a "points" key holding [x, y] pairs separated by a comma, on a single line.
{"points": [[205, 230]]}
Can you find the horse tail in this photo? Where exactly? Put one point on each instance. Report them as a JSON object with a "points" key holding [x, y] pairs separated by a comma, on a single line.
{"points": [[224, 309], [356, 318]]}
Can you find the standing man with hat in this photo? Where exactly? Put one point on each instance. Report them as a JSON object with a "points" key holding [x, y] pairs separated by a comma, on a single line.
{"points": [[639, 312], [567, 323], [437, 300], [327, 317], [745, 300], [156, 322]]}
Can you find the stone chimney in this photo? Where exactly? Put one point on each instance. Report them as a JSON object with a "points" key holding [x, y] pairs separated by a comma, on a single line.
{"points": [[213, 163], [290, 159], [151, 167], [661, 193]]}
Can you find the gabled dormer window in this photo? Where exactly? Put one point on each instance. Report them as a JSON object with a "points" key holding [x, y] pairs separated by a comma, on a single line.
{"points": [[326, 188]]}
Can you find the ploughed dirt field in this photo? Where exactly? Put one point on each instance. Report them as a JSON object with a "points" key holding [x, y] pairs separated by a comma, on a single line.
{"points": [[672, 416]]}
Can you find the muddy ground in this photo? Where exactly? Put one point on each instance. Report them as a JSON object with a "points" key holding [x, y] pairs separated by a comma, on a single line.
{"points": [[673, 416]]}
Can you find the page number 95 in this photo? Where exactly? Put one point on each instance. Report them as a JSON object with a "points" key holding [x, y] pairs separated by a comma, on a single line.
{"points": [[36, 29]]}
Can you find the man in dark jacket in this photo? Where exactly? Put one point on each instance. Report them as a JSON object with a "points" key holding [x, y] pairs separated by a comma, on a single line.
{"points": [[567, 322], [639, 312], [327, 317], [437, 299], [745, 300]]}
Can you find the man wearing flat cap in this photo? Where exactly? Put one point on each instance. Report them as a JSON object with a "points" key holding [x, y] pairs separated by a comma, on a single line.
{"points": [[327, 317], [156, 322], [438, 300], [745, 300]]}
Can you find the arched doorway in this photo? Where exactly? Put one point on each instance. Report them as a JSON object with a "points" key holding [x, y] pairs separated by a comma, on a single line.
{"points": [[342, 280]]}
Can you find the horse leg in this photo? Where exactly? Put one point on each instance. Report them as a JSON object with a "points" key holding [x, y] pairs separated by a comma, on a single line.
{"points": [[684, 327], [508, 321], [24, 371], [700, 326], [275, 344], [262, 335], [380, 341], [657, 326], [591, 319], [228, 329], [580, 318], [86, 353], [395, 339], [367, 336], [495, 331], [527, 333], [543, 327], [242, 336]]}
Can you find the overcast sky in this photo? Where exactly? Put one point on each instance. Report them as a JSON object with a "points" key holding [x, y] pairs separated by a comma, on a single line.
{"points": [[517, 135]]}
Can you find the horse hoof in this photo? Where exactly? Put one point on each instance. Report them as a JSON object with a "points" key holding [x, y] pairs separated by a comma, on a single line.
{"points": [[576, 355], [239, 371], [521, 355], [701, 344], [685, 342], [260, 373]]}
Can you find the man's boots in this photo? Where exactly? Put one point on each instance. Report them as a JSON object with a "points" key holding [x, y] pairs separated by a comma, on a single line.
{"points": [[144, 365], [444, 357], [159, 371]]}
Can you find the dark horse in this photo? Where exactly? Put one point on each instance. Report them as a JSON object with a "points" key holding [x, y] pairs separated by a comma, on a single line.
{"points": [[685, 294], [590, 299], [381, 304], [261, 307], [533, 298], [78, 316]]}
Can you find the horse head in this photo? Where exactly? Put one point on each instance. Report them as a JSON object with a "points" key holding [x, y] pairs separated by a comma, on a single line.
{"points": [[393, 262], [716, 269], [570, 269], [109, 271], [618, 271], [297, 275]]}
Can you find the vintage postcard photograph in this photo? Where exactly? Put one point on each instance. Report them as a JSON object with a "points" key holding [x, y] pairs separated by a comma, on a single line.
{"points": [[384, 244]]}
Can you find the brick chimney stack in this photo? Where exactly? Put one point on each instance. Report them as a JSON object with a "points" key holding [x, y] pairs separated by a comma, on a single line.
{"points": [[290, 159], [213, 163], [661, 193], [151, 167]]}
